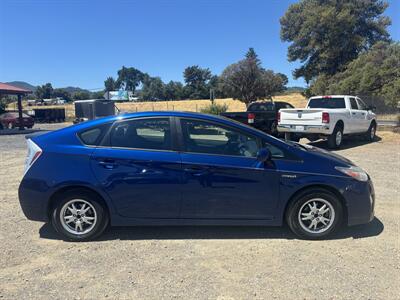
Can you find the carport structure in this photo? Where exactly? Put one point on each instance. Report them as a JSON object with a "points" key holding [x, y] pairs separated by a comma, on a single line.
{"points": [[8, 89]]}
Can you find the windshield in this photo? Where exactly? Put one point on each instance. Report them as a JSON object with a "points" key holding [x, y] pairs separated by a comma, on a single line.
{"points": [[337, 102]]}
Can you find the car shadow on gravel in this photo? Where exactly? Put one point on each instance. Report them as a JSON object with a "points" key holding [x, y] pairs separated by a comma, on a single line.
{"points": [[348, 143], [374, 228]]}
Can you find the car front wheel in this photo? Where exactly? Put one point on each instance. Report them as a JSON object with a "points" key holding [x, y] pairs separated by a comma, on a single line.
{"points": [[79, 216], [315, 214]]}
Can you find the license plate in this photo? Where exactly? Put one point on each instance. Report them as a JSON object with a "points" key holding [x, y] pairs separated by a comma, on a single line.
{"points": [[299, 128]]}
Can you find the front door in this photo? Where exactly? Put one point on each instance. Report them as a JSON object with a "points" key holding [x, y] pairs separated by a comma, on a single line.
{"points": [[222, 177], [138, 169]]}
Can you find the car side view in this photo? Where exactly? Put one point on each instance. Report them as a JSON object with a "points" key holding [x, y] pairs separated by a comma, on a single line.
{"points": [[181, 168]]}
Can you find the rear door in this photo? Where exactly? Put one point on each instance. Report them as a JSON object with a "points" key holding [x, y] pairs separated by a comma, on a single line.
{"points": [[138, 168]]}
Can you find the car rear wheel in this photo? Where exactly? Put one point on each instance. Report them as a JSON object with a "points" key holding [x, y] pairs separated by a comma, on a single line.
{"points": [[79, 216], [315, 214]]}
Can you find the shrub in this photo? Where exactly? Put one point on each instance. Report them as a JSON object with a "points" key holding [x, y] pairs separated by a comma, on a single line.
{"points": [[214, 109]]}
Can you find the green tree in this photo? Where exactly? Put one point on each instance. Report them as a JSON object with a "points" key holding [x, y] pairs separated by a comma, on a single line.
{"points": [[130, 78], [247, 81], [81, 95], [375, 72], [97, 95], [153, 88], [325, 35], [110, 84], [197, 80], [62, 93], [173, 90], [44, 91]]}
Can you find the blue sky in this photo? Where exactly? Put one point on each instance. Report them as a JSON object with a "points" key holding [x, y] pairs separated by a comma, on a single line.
{"points": [[81, 42]]}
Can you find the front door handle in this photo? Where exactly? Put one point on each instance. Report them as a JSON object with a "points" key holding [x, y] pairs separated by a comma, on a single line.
{"points": [[197, 171]]}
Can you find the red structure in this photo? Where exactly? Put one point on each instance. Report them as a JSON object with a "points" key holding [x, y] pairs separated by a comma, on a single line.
{"points": [[8, 89]]}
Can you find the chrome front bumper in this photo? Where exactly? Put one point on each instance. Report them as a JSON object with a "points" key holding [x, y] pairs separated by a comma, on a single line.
{"points": [[302, 129]]}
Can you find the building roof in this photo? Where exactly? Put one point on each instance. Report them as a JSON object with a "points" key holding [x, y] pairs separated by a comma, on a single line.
{"points": [[12, 90]]}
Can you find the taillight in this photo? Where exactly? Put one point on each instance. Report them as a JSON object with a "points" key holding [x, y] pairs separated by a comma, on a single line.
{"points": [[34, 152], [278, 116], [325, 117], [250, 118]]}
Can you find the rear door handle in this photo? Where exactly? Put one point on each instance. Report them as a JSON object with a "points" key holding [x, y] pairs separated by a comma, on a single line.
{"points": [[108, 164]]}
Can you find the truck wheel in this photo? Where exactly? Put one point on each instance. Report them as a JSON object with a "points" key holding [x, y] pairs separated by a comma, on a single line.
{"points": [[314, 214], [336, 138], [291, 137], [273, 129], [370, 135]]}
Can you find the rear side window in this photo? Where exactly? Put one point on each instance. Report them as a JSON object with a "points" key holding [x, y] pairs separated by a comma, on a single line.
{"points": [[334, 102], [151, 133], [92, 136], [353, 103]]}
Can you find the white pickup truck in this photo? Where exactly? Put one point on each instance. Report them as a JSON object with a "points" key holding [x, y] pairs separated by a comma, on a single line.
{"points": [[328, 117]]}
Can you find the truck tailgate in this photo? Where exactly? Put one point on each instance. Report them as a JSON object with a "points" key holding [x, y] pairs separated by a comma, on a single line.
{"points": [[301, 116]]}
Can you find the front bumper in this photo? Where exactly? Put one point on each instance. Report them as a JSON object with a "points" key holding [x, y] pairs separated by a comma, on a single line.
{"points": [[305, 129], [360, 198]]}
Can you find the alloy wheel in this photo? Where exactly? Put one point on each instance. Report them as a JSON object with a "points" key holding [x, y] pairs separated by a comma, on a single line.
{"points": [[78, 216], [316, 215]]}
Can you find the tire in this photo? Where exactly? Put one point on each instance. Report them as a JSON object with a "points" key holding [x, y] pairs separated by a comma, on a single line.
{"points": [[301, 208], [334, 140], [370, 135], [70, 229], [273, 129], [291, 137]]}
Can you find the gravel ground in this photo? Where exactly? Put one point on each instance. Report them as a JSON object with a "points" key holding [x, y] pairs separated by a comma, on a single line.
{"points": [[362, 262]]}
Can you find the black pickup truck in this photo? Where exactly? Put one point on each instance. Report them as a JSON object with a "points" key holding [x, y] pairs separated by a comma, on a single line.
{"points": [[261, 115]]}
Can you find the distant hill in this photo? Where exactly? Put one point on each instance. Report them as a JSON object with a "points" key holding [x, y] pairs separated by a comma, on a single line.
{"points": [[73, 90], [25, 85], [22, 85]]}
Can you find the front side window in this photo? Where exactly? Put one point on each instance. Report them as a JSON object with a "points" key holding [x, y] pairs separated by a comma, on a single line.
{"points": [[210, 138], [151, 133], [362, 105]]}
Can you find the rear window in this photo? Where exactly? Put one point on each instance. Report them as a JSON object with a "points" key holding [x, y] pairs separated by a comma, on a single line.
{"points": [[334, 102], [92, 136], [261, 107]]}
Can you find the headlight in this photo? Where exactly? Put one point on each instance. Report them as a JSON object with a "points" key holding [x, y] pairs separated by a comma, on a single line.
{"points": [[355, 172]]}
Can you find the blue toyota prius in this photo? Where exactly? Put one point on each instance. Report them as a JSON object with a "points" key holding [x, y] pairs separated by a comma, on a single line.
{"points": [[182, 168]]}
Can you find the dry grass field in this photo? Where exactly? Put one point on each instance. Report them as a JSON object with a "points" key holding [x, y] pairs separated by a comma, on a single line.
{"points": [[295, 99]]}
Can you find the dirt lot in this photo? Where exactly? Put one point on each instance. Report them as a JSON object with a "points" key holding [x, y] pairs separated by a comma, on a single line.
{"points": [[362, 262]]}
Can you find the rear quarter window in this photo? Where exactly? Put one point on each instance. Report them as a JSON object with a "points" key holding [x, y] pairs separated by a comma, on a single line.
{"points": [[93, 135]]}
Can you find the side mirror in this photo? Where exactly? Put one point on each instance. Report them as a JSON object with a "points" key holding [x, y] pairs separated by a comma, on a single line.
{"points": [[263, 155], [373, 108]]}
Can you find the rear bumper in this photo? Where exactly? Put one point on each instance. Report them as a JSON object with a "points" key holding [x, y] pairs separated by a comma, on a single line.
{"points": [[33, 200], [312, 129]]}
